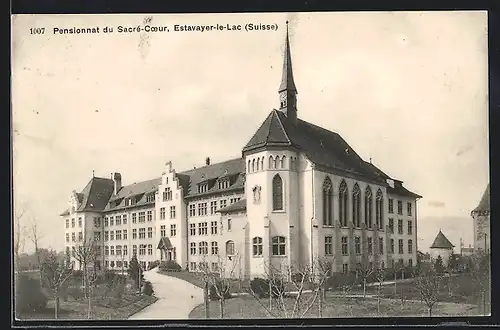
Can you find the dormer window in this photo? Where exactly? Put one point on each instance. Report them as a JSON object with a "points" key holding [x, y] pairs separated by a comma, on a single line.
{"points": [[224, 183], [127, 201], [150, 198], [203, 187]]}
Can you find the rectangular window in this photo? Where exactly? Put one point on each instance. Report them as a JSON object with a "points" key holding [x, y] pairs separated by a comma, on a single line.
{"points": [[410, 262], [112, 250], [125, 251], [345, 268], [118, 250], [73, 237], [106, 235], [192, 229], [400, 226], [142, 217], [142, 249], [229, 224], [106, 250], [192, 248], [400, 207], [80, 222], [142, 233], [214, 248], [118, 220], [223, 203], [150, 216], [125, 234], [172, 212], [192, 266], [381, 245], [370, 245], [106, 222], [202, 228], [111, 235], [150, 249], [391, 205], [408, 208], [234, 200], [124, 218], [67, 237], [97, 222], [410, 246], [400, 246], [134, 249], [344, 246], [150, 232], [118, 235], [202, 209], [279, 246], [213, 227], [257, 246], [392, 245], [111, 221], [328, 245], [391, 225], [410, 227], [163, 231], [173, 230], [192, 210], [162, 213], [73, 223], [213, 207], [357, 244], [67, 223], [134, 217], [134, 233]]}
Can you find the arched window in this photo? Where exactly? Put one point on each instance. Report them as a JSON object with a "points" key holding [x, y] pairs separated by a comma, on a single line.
{"points": [[279, 246], [327, 202], [276, 162], [277, 193], [271, 162], [379, 209], [258, 164], [368, 207], [282, 162], [249, 164], [343, 194], [230, 248], [253, 165], [356, 206], [257, 246], [262, 163]]}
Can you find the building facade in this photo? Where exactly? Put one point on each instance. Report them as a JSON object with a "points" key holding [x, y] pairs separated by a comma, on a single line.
{"points": [[298, 193], [481, 222], [441, 247]]}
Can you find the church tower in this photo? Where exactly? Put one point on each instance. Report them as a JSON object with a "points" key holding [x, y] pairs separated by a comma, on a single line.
{"points": [[287, 90]]}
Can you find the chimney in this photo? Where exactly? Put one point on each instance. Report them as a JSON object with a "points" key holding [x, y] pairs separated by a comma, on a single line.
{"points": [[117, 178], [207, 161]]}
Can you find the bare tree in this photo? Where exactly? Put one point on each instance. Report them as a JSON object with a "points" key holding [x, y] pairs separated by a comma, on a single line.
{"points": [[54, 274], [35, 235], [86, 255], [479, 267], [294, 289], [19, 234], [364, 272], [379, 275], [428, 283]]}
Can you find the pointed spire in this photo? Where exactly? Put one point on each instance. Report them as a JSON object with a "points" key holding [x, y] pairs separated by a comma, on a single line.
{"points": [[287, 82]]}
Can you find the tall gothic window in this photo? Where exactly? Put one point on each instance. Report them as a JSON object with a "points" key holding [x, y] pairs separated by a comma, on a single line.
{"points": [[271, 162], [327, 202], [368, 207], [262, 163], [379, 209], [343, 204], [277, 193], [356, 206], [253, 165]]}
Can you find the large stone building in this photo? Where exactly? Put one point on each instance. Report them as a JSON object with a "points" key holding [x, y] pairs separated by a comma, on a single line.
{"points": [[481, 218], [297, 193]]}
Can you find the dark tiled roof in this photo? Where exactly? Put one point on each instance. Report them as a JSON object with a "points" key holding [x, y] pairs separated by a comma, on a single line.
{"points": [[234, 169], [65, 212], [322, 147], [240, 205], [441, 242], [164, 243], [484, 204], [96, 194], [398, 188], [138, 190]]}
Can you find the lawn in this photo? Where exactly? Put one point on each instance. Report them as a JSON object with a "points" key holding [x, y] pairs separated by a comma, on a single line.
{"points": [[334, 306], [102, 308]]}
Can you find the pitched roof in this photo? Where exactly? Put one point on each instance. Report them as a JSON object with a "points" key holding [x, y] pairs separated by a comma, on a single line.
{"points": [[240, 205], [441, 242], [137, 189], [484, 204], [164, 243], [287, 82], [270, 133], [96, 194]]}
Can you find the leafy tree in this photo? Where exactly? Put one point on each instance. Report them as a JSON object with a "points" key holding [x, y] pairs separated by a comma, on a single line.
{"points": [[135, 272], [438, 265]]}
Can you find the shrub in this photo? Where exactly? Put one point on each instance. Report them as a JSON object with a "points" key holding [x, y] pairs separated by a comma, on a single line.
{"points": [[29, 296], [260, 287], [153, 264], [169, 266], [147, 289], [223, 287]]}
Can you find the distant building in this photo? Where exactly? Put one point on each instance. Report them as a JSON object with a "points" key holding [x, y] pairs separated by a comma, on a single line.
{"points": [[467, 251], [442, 247], [481, 217]]}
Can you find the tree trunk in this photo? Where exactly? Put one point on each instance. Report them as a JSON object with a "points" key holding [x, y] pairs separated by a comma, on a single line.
{"points": [[364, 288], [207, 302], [430, 311], [378, 297], [89, 314], [56, 305], [320, 302], [221, 305]]}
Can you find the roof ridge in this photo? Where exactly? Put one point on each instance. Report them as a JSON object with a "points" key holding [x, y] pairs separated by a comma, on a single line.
{"points": [[283, 128], [207, 166], [272, 114]]}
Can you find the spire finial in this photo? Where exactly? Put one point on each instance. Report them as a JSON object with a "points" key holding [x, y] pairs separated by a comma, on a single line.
{"points": [[93, 174]]}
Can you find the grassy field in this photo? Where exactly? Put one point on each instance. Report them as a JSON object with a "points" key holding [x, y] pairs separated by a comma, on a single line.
{"points": [[248, 307]]}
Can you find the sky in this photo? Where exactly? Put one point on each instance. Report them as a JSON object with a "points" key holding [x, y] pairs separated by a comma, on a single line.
{"points": [[406, 89]]}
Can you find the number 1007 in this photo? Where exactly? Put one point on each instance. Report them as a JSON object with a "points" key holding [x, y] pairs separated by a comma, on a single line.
{"points": [[37, 30]]}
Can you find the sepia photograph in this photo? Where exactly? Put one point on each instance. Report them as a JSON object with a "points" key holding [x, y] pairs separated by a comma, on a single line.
{"points": [[250, 166]]}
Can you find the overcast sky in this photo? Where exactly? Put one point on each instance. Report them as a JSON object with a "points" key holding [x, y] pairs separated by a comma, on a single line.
{"points": [[408, 90]]}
